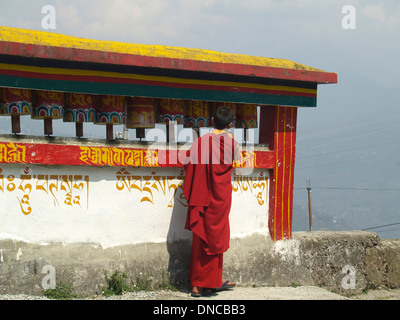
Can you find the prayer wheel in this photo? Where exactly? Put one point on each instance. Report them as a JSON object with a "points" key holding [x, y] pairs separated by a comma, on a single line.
{"points": [[14, 103], [140, 114], [197, 114], [79, 108], [47, 105], [171, 112], [246, 117], [110, 110]]}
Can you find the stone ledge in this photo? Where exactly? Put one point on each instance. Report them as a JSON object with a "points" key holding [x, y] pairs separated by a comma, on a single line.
{"points": [[344, 262]]}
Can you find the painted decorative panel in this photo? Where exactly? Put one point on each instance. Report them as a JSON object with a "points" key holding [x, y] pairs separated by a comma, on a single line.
{"points": [[115, 205]]}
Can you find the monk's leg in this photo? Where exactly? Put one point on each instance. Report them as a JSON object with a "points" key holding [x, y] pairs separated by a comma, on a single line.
{"points": [[205, 270]]}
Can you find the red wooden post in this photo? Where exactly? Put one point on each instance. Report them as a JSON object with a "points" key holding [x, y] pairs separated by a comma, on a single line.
{"points": [[282, 175]]}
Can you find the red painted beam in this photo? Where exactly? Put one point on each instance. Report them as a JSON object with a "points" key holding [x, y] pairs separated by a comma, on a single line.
{"points": [[55, 154]]}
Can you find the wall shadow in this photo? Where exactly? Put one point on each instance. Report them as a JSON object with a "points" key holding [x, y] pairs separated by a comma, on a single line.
{"points": [[179, 244]]}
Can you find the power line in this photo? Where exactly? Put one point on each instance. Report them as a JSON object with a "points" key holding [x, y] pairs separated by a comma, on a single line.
{"points": [[385, 225], [368, 189], [308, 188], [339, 162], [345, 188]]}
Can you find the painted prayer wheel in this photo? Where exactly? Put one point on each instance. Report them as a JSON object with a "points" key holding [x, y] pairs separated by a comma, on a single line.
{"points": [[171, 112], [47, 105], [79, 108], [246, 116], [140, 114], [197, 114], [110, 110], [14, 103]]}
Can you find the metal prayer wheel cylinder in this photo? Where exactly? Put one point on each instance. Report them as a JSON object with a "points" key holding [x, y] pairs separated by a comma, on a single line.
{"points": [[197, 114], [170, 112], [15, 102], [246, 117], [79, 108], [140, 114], [47, 105], [110, 110]]}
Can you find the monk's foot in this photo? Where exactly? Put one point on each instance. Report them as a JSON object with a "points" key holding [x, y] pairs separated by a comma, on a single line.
{"points": [[201, 292], [226, 285]]}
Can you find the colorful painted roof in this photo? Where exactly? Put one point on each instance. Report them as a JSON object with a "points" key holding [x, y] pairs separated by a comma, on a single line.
{"points": [[51, 61]]}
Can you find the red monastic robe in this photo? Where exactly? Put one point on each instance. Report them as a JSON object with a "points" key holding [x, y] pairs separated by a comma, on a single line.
{"points": [[208, 191]]}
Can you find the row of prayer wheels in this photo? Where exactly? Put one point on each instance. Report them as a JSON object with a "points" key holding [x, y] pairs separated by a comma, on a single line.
{"points": [[135, 112]]}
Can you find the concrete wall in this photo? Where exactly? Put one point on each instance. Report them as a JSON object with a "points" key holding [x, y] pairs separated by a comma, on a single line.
{"points": [[346, 262], [383, 264]]}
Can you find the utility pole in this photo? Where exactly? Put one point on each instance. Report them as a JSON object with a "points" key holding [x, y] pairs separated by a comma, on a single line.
{"points": [[309, 203]]}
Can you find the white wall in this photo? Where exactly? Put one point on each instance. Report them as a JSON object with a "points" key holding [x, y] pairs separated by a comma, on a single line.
{"points": [[112, 205]]}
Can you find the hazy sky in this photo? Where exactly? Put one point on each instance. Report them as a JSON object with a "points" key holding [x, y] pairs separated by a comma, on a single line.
{"points": [[296, 30]]}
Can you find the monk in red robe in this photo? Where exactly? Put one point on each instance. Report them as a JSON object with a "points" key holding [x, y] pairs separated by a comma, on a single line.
{"points": [[208, 190]]}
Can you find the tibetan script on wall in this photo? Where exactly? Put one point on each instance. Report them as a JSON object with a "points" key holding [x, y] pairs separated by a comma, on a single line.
{"points": [[119, 157]]}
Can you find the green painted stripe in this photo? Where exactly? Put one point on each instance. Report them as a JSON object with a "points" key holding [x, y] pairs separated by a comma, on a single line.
{"points": [[155, 91]]}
